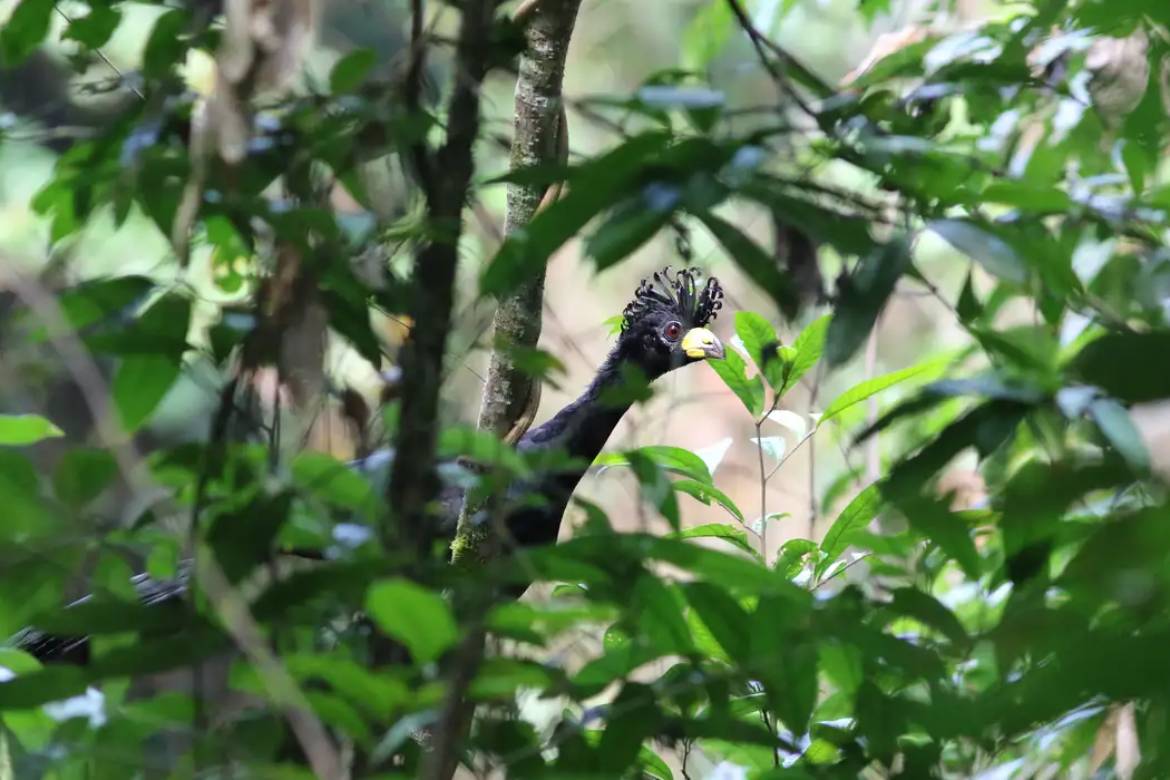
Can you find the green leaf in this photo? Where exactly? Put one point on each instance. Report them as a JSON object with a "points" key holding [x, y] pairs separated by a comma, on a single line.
{"points": [[862, 297], [99, 299], [807, 350], [1127, 365], [415, 616], [984, 246], [756, 264], [706, 34], [674, 459], [592, 188], [17, 430], [82, 475], [25, 29], [660, 615], [628, 228], [854, 517], [351, 70], [1117, 426], [947, 529], [166, 45], [927, 610], [735, 536], [332, 481], [871, 387], [95, 28], [733, 371], [722, 616], [708, 493], [140, 384], [790, 560], [759, 338], [153, 357], [656, 487]]}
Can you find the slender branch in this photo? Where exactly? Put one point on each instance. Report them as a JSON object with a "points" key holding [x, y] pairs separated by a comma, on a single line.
{"points": [[414, 482]]}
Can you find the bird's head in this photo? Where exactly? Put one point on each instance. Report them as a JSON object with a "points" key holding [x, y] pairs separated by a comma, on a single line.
{"points": [[664, 326]]}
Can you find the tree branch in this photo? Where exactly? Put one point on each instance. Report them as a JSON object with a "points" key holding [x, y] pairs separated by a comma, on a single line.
{"points": [[540, 135], [414, 482]]}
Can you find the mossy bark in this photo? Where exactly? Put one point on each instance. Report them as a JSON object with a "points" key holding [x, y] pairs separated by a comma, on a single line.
{"points": [[539, 136]]}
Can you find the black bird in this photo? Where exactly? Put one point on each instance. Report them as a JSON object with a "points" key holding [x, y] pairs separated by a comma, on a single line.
{"points": [[664, 328]]}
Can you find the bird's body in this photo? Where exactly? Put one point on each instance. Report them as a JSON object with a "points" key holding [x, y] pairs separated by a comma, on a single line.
{"points": [[663, 330]]}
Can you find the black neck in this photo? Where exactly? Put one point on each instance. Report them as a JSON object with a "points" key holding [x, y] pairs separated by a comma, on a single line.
{"points": [[584, 426]]}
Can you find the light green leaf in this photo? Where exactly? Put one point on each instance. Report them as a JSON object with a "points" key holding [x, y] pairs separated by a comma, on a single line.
{"points": [[871, 387], [17, 430], [675, 459], [707, 494], [760, 341], [415, 616], [729, 533], [733, 371], [808, 348], [705, 36], [855, 517], [140, 384]]}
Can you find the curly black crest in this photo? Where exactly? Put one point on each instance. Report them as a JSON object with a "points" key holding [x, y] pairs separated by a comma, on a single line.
{"points": [[677, 291]]}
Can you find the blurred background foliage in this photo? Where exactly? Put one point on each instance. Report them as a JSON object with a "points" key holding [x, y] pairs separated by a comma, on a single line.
{"points": [[922, 529]]}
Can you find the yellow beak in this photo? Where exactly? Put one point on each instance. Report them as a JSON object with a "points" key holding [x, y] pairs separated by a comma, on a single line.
{"points": [[700, 343]]}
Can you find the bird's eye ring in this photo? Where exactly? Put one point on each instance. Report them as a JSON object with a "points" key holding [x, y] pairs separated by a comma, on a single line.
{"points": [[672, 330]]}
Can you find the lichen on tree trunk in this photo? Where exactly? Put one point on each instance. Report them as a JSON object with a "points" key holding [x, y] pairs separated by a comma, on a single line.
{"points": [[539, 136]]}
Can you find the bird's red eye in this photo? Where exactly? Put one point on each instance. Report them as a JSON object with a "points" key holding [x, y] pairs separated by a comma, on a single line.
{"points": [[672, 331]]}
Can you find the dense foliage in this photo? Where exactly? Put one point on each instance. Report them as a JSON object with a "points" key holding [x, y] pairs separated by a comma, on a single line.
{"points": [[1022, 634]]}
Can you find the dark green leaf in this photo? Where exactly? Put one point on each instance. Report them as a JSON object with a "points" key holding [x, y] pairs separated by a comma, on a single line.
{"points": [[723, 617], [862, 297], [25, 29], [82, 475], [592, 188], [756, 264], [166, 45], [95, 28], [1126, 365], [351, 70], [627, 229]]}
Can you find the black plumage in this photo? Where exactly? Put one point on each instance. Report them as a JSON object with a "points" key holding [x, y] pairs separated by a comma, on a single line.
{"points": [[663, 329]]}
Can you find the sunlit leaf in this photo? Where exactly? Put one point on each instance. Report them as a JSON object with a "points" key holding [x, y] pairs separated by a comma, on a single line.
{"points": [[418, 618], [733, 371], [871, 387], [854, 517], [20, 429]]}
